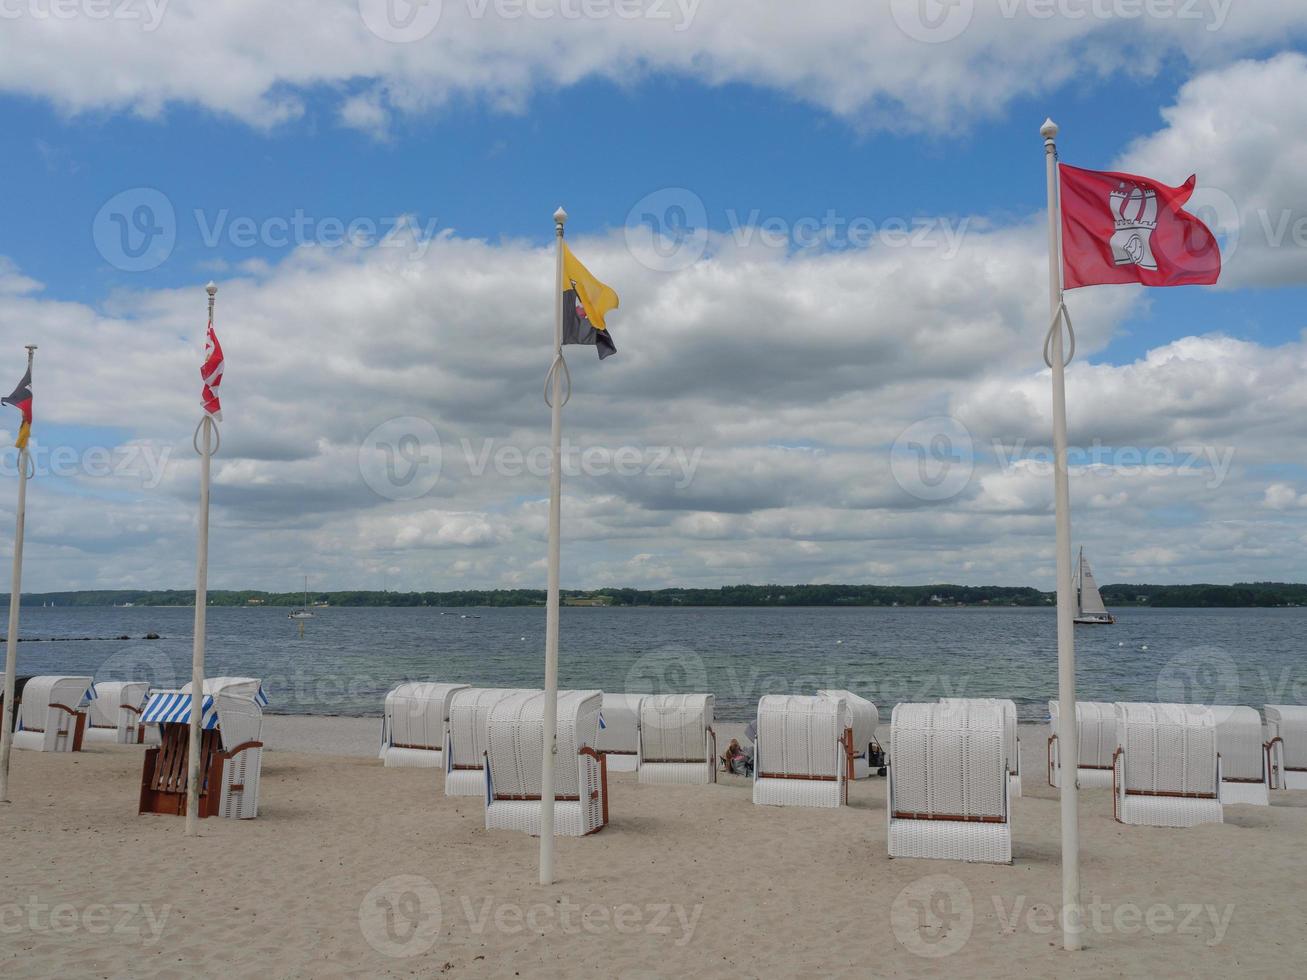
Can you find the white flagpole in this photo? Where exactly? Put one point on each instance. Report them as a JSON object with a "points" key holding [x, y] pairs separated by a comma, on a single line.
{"points": [[551, 608], [193, 775], [15, 594], [1067, 734]]}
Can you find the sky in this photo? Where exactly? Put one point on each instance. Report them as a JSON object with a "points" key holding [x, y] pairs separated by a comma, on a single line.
{"points": [[827, 225]]}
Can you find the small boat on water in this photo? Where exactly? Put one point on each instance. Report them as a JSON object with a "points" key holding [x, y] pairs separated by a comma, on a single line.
{"points": [[1090, 610], [305, 612]]}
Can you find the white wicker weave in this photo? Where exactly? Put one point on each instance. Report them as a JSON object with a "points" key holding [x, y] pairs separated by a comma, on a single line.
{"points": [[114, 714], [1287, 745], [1167, 771], [677, 741], [1096, 728], [803, 751], [1245, 777], [619, 731], [52, 711], [515, 739], [1011, 740], [413, 724], [864, 718], [465, 738], [949, 792]]}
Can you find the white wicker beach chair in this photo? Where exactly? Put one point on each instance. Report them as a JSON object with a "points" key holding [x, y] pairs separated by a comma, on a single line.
{"points": [[114, 714], [231, 755], [464, 754], [1245, 775], [1012, 746], [949, 792], [1166, 768], [677, 741], [413, 724], [1096, 728], [52, 714], [864, 717], [515, 738], [619, 731], [1286, 746], [804, 751]]}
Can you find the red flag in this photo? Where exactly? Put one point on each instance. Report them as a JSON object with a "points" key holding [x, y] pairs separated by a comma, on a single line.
{"points": [[211, 374], [1119, 228]]}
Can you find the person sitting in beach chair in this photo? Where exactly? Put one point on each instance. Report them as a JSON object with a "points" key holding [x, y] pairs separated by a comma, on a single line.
{"points": [[737, 760]]}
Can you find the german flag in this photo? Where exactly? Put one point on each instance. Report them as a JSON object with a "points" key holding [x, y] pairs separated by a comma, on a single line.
{"points": [[586, 301], [21, 399]]}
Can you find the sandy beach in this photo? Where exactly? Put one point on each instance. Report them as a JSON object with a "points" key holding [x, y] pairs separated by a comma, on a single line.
{"points": [[352, 869]]}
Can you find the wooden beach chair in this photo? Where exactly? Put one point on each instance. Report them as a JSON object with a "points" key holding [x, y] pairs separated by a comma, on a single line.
{"points": [[1286, 746], [52, 714], [514, 749], [949, 793], [1096, 731], [804, 751], [231, 756], [1012, 748], [1166, 768], [464, 754], [619, 731], [864, 717], [677, 741], [1245, 772], [413, 724], [114, 714]]}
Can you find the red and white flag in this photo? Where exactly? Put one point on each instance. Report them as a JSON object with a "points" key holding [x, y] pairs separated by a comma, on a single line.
{"points": [[1119, 228], [211, 375]]}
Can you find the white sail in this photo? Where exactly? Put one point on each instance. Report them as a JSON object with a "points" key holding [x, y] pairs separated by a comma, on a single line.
{"points": [[1091, 600]]}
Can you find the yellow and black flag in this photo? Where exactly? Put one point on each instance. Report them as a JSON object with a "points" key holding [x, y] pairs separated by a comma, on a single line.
{"points": [[586, 301], [21, 399]]}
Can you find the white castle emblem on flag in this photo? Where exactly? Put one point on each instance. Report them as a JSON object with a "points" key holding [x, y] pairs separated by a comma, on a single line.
{"points": [[1134, 214]]}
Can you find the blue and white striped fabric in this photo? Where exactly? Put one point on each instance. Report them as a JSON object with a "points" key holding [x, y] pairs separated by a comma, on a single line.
{"points": [[173, 706], [261, 699], [89, 696]]}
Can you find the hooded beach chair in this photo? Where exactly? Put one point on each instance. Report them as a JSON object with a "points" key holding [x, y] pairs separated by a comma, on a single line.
{"points": [[464, 755], [864, 718], [52, 714], [114, 714], [231, 755], [619, 731], [1010, 733], [949, 794], [803, 751], [515, 739], [1286, 746], [413, 724], [677, 741], [1096, 731], [1166, 768], [1245, 774]]}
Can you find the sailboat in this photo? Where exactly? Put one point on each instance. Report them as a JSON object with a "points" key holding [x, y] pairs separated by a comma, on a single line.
{"points": [[304, 613], [1090, 610]]}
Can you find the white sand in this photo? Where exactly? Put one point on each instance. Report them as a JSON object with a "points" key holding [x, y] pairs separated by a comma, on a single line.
{"points": [[685, 879]]}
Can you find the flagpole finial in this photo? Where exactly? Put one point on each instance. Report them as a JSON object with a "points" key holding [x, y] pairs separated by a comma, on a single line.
{"points": [[560, 219], [1049, 130], [211, 288]]}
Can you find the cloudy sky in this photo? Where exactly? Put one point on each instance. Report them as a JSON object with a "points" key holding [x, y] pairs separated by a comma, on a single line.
{"points": [[826, 223]]}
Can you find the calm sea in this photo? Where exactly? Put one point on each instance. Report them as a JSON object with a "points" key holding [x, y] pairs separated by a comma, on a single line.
{"points": [[347, 659]]}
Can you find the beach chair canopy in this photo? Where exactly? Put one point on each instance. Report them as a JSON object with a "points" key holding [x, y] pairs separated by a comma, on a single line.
{"points": [[1096, 730], [619, 723], [673, 727], [1009, 709], [948, 760], [74, 693], [416, 712], [237, 719], [801, 736], [863, 716], [104, 709], [246, 687], [515, 739], [1240, 743], [469, 709], [1289, 723], [1168, 749]]}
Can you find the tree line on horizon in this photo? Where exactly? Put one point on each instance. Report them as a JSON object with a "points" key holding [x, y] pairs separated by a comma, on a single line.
{"points": [[1251, 594]]}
